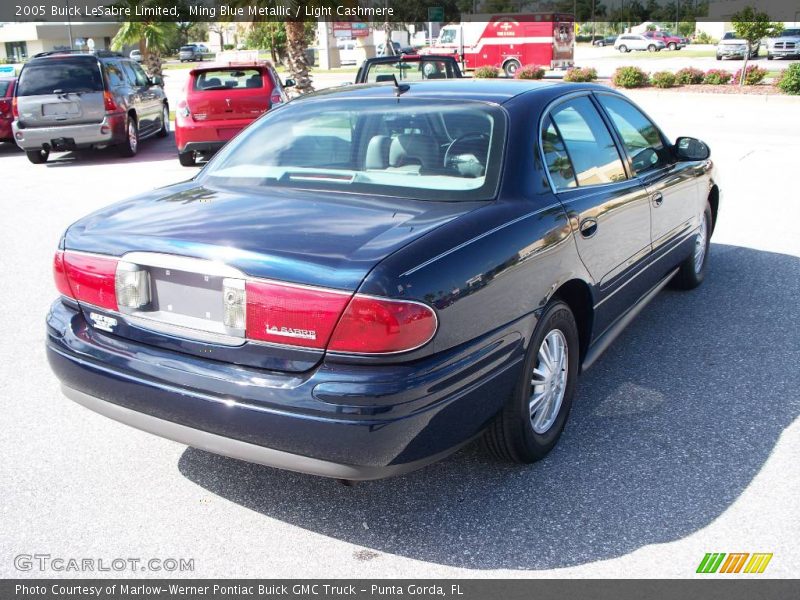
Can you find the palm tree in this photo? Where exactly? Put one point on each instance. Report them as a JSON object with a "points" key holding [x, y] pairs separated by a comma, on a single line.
{"points": [[152, 37]]}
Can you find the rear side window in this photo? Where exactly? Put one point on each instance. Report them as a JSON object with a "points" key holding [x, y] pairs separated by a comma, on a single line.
{"points": [[556, 158], [229, 79], [114, 74], [134, 74], [591, 149], [60, 76]]}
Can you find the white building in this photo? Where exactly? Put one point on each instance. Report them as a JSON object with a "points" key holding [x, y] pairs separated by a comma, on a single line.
{"points": [[19, 41]]}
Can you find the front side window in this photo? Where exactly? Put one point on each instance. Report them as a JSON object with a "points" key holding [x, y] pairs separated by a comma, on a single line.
{"points": [[640, 136], [594, 156], [411, 71], [424, 149]]}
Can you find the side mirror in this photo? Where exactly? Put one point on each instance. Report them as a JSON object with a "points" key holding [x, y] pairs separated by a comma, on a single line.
{"points": [[156, 80], [689, 148], [289, 83]]}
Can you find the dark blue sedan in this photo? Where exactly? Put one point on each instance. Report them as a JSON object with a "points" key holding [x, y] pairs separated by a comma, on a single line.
{"points": [[368, 278]]}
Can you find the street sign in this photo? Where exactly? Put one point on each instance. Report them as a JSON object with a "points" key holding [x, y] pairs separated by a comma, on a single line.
{"points": [[436, 14]]}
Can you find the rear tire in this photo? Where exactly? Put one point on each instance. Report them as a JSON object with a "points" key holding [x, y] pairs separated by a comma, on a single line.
{"points": [[187, 159], [651, 48], [673, 46], [511, 67], [164, 131], [769, 56], [39, 156], [130, 146], [522, 432], [693, 269], [623, 48]]}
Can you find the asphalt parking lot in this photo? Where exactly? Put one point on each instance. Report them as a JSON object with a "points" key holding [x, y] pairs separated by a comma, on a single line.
{"points": [[684, 438]]}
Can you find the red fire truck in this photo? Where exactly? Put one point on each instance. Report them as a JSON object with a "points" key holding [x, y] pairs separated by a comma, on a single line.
{"points": [[509, 41]]}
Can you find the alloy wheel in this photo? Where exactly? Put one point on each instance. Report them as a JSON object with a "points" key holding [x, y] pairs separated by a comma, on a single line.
{"points": [[700, 245], [549, 381]]}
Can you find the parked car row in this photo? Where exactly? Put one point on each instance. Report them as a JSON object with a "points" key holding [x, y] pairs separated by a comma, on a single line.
{"points": [[73, 100]]}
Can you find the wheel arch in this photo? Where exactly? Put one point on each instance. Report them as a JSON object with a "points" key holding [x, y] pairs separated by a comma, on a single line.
{"points": [[713, 200], [578, 296]]}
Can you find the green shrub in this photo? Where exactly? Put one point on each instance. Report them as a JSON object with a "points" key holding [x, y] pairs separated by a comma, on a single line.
{"points": [[629, 77], [704, 38], [529, 72], [717, 77], [580, 75], [753, 76], [789, 81], [487, 72], [663, 79], [689, 76]]}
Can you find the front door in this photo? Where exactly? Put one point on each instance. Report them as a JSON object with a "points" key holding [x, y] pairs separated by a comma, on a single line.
{"points": [[609, 212]]}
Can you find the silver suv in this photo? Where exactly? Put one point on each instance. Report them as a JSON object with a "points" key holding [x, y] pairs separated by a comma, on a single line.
{"points": [[70, 101]]}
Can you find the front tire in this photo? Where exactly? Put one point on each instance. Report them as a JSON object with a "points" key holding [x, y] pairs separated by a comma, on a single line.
{"points": [[673, 46], [651, 48], [623, 48], [532, 420], [693, 269], [39, 156], [130, 146]]}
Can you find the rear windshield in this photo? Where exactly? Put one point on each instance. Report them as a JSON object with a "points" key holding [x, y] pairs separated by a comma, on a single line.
{"points": [[414, 148], [226, 79], [411, 70], [60, 76], [4, 87]]}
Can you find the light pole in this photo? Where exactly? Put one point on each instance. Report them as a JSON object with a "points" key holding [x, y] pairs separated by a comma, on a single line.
{"points": [[69, 25]]}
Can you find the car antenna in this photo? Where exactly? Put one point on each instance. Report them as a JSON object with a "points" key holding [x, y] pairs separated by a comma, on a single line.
{"points": [[398, 88]]}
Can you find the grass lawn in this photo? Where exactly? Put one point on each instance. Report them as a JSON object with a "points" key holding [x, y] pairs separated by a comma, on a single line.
{"points": [[684, 53]]}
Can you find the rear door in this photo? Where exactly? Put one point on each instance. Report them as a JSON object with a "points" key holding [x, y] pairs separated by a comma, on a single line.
{"points": [[609, 211], [61, 91]]}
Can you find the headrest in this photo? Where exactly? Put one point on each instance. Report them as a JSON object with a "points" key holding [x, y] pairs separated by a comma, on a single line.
{"points": [[382, 78], [378, 152], [213, 82], [414, 148]]}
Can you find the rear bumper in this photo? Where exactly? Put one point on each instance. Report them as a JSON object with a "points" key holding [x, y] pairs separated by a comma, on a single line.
{"points": [[70, 137], [344, 421], [6, 134], [206, 136]]}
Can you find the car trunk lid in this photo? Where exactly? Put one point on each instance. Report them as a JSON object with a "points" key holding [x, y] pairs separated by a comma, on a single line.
{"points": [[60, 91], [191, 239]]}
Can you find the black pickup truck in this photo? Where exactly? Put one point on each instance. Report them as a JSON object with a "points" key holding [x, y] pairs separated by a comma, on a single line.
{"points": [[408, 67]]}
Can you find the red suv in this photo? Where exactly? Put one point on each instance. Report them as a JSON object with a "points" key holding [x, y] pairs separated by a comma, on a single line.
{"points": [[6, 108], [220, 101], [673, 42]]}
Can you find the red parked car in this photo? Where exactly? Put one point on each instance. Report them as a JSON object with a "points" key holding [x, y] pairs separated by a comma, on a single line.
{"points": [[220, 101], [6, 113], [673, 42]]}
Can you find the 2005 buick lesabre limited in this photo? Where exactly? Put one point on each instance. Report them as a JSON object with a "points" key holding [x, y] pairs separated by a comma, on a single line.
{"points": [[368, 278]]}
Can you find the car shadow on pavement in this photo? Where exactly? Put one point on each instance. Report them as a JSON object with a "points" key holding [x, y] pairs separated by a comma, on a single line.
{"points": [[667, 430], [9, 148], [150, 150]]}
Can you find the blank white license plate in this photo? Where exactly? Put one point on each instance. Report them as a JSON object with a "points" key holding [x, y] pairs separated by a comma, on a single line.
{"points": [[56, 109]]}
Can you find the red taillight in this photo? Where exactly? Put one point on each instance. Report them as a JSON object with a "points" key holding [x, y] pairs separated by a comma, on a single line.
{"points": [[5, 106], [60, 275], [14, 108], [372, 325], [292, 315], [108, 101], [275, 98], [86, 278]]}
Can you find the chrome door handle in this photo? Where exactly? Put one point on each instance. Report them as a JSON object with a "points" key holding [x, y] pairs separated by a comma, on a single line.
{"points": [[588, 227], [658, 198]]}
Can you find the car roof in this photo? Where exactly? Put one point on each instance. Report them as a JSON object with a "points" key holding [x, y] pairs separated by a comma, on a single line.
{"points": [[409, 58], [496, 91]]}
